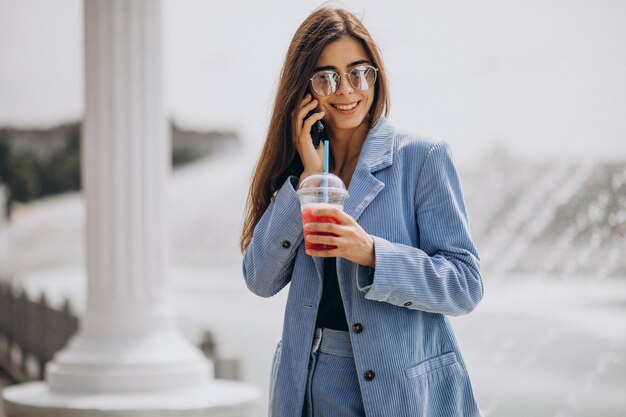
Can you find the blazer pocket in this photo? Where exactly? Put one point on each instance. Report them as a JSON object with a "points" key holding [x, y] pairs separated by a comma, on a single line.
{"points": [[431, 364]]}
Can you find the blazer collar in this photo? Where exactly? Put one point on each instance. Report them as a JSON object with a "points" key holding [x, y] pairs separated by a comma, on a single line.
{"points": [[377, 151]]}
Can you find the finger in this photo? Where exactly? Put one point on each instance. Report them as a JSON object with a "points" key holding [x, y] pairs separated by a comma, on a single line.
{"points": [[304, 137], [296, 112], [303, 105], [299, 123], [324, 253], [304, 110], [324, 240], [335, 212], [324, 227], [308, 123], [307, 98]]}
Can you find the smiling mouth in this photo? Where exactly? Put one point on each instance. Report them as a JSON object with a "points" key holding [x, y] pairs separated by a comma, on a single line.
{"points": [[346, 107]]}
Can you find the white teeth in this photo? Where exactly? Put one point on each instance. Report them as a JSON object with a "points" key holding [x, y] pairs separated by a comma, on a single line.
{"points": [[346, 107]]}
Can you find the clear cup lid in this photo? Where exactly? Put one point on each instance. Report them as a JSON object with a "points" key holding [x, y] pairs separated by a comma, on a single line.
{"points": [[318, 182]]}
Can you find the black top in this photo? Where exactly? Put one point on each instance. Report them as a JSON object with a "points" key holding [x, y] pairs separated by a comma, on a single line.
{"points": [[331, 314]]}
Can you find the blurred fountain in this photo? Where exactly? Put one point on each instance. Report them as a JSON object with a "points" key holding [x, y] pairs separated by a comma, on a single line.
{"points": [[553, 217]]}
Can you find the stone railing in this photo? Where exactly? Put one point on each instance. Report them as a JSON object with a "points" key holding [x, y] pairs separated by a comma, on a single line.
{"points": [[31, 332]]}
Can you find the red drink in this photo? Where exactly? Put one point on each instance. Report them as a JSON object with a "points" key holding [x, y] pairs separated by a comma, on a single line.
{"points": [[308, 217], [318, 191]]}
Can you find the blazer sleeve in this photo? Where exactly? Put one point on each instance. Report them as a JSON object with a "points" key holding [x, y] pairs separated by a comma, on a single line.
{"points": [[441, 275], [268, 259]]}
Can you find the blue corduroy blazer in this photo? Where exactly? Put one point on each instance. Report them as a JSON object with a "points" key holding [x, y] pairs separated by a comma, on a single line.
{"points": [[405, 192]]}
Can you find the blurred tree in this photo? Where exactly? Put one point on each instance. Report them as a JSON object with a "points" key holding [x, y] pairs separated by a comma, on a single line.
{"points": [[19, 173], [62, 172], [47, 161]]}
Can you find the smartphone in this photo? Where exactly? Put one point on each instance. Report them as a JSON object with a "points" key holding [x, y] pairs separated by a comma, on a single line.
{"points": [[319, 131]]}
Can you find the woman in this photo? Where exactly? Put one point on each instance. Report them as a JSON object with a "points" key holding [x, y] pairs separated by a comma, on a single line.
{"points": [[365, 331]]}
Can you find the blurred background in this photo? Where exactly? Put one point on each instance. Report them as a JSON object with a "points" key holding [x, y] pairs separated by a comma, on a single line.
{"points": [[531, 95]]}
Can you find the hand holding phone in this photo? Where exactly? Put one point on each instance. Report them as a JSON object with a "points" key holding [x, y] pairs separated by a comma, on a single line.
{"points": [[308, 133], [319, 131]]}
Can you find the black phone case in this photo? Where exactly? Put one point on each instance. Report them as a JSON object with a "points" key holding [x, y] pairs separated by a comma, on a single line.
{"points": [[318, 131]]}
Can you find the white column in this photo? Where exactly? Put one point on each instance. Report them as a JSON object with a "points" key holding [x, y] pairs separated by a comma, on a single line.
{"points": [[127, 339], [127, 357]]}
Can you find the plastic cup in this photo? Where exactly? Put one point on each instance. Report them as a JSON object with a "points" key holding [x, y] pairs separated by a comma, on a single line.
{"points": [[320, 191]]}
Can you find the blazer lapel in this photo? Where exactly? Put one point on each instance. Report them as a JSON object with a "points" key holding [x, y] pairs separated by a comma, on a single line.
{"points": [[376, 154], [364, 187]]}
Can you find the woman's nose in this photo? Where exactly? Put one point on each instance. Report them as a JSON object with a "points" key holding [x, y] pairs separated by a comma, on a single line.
{"points": [[344, 85]]}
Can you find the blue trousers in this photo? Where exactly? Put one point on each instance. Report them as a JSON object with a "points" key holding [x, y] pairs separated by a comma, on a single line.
{"points": [[332, 385]]}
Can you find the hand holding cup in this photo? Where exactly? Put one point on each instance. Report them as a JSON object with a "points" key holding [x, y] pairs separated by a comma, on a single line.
{"points": [[328, 230]]}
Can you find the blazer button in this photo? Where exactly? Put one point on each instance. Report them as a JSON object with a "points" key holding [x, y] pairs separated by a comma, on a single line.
{"points": [[369, 375], [408, 303], [357, 327], [286, 244]]}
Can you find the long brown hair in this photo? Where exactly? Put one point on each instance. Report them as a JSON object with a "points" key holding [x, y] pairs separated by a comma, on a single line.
{"points": [[279, 158]]}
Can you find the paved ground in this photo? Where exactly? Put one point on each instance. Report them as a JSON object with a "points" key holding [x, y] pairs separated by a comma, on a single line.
{"points": [[547, 348], [535, 346]]}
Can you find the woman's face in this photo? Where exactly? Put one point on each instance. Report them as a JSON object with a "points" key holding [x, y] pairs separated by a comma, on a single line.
{"points": [[347, 107]]}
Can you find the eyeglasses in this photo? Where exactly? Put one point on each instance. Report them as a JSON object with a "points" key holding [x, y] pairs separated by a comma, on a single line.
{"points": [[362, 78]]}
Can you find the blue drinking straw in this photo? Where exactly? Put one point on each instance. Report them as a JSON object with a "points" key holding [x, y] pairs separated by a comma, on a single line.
{"points": [[326, 147]]}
